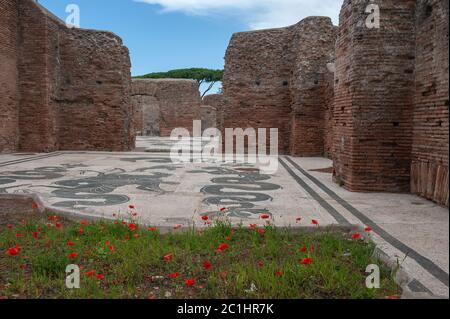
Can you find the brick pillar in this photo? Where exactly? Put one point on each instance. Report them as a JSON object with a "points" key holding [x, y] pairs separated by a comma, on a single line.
{"points": [[374, 88]]}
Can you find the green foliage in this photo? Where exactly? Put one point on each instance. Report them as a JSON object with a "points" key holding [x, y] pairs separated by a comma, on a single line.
{"points": [[337, 271], [201, 75]]}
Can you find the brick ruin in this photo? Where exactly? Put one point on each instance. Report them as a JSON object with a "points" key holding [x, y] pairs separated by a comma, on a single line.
{"points": [[390, 115], [61, 88], [373, 100], [164, 104], [278, 78], [382, 116]]}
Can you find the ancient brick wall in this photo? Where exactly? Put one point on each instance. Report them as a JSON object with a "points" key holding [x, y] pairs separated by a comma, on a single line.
{"points": [[74, 85], [275, 78], [328, 96], [147, 115], [313, 47], [9, 95], [208, 114], [177, 102], [374, 91], [429, 173], [256, 81], [218, 102]]}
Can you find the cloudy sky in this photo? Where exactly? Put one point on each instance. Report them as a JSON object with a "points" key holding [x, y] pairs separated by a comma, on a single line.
{"points": [[169, 34], [256, 14]]}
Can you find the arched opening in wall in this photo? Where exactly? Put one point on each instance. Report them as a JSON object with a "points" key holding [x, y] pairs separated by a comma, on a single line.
{"points": [[151, 115], [147, 115]]}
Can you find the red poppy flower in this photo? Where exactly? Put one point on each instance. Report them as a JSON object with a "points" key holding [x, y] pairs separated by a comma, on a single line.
{"points": [[205, 218], [131, 207], [84, 222], [223, 209], [315, 222], [265, 216], [261, 264], [261, 231], [190, 282], [356, 236], [116, 222], [253, 226], [223, 247], [207, 265], [58, 225], [136, 235], [313, 248], [111, 248], [306, 261], [174, 275], [34, 205], [81, 231], [368, 229], [53, 218], [304, 249], [9, 226], [124, 222], [100, 277], [153, 229], [13, 251], [90, 273], [168, 257], [70, 243], [278, 274], [132, 227], [127, 237], [73, 255], [20, 235], [35, 234]]}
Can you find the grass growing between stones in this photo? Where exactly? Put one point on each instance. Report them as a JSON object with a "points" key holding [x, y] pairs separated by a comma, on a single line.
{"points": [[125, 260]]}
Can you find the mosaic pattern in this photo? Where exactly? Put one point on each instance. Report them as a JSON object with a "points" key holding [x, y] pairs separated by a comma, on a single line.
{"points": [[238, 191]]}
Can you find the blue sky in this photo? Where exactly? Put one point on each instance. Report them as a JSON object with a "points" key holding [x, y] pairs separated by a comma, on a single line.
{"points": [[169, 34]]}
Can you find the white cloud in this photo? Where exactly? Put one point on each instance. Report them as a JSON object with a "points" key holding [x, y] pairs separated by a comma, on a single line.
{"points": [[257, 14]]}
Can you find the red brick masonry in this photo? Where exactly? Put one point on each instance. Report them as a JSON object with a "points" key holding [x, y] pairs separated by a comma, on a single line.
{"points": [[60, 88], [383, 116]]}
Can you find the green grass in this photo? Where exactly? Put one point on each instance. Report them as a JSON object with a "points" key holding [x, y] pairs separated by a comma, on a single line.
{"points": [[137, 269]]}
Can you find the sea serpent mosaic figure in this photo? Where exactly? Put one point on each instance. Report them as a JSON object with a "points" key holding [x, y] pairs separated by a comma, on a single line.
{"points": [[240, 203], [93, 190]]}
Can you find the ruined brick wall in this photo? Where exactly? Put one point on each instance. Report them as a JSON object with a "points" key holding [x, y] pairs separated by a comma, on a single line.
{"points": [[391, 99], [274, 79], [9, 94], [208, 116], [74, 85], [429, 173], [95, 110], [328, 96], [147, 115], [374, 90], [177, 103], [313, 48], [256, 81], [219, 103]]}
